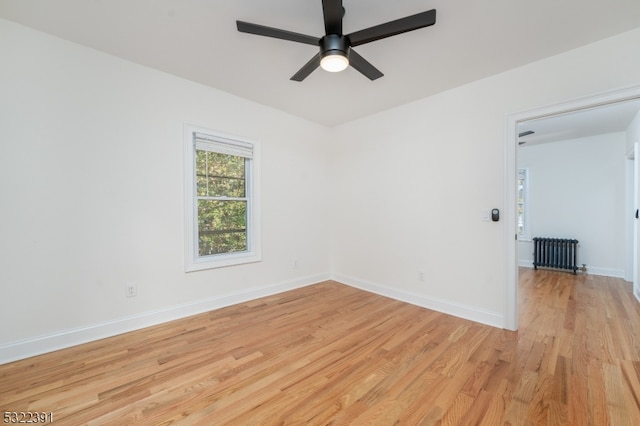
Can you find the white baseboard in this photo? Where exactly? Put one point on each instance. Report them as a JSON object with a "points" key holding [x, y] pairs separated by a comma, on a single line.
{"points": [[471, 313], [607, 272], [51, 342], [593, 270], [525, 263]]}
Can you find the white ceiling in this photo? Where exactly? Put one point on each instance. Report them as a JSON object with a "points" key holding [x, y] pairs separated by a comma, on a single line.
{"points": [[599, 120], [198, 40]]}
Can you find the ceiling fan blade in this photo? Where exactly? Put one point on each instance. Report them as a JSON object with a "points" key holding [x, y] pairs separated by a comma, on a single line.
{"points": [[307, 69], [399, 26], [247, 27], [333, 14], [362, 65]]}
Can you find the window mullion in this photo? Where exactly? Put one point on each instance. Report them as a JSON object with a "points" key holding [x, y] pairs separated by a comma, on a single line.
{"points": [[202, 197]]}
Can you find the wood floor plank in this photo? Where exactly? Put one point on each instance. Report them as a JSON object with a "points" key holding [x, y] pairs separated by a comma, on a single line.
{"points": [[333, 354]]}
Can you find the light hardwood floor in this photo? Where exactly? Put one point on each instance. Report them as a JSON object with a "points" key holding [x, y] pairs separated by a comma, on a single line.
{"points": [[331, 354]]}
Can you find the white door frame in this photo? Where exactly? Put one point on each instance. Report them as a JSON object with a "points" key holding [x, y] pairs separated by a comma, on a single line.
{"points": [[511, 160], [636, 200]]}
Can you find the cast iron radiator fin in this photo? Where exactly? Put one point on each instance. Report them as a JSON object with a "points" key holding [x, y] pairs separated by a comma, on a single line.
{"points": [[557, 253]]}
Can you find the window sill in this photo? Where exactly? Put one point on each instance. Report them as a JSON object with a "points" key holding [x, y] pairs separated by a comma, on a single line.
{"points": [[222, 261]]}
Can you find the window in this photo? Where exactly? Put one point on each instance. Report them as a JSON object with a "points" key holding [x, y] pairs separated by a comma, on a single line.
{"points": [[221, 205], [524, 231]]}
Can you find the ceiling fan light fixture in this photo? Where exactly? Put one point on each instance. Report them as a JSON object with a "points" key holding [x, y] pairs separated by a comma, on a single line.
{"points": [[334, 61]]}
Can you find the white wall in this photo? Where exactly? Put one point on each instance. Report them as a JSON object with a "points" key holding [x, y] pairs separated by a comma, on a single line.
{"points": [[409, 183], [91, 193], [578, 190]]}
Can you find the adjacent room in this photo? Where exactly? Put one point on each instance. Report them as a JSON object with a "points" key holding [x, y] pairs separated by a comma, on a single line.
{"points": [[576, 172], [202, 225]]}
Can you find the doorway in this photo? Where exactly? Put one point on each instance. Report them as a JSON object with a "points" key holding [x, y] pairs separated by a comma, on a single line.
{"points": [[514, 122]]}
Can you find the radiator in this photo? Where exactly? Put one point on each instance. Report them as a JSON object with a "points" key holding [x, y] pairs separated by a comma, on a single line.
{"points": [[555, 253]]}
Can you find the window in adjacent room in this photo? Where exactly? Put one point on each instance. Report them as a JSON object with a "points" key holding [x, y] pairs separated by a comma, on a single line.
{"points": [[222, 212], [524, 231]]}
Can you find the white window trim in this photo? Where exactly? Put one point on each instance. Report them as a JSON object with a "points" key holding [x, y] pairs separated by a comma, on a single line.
{"points": [[526, 235], [193, 262]]}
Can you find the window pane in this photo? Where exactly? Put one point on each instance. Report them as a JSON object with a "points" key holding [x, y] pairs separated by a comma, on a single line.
{"points": [[222, 227], [220, 175], [521, 202], [520, 219]]}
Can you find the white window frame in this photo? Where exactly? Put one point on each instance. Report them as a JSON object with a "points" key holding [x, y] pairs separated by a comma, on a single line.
{"points": [[194, 262], [525, 235]]}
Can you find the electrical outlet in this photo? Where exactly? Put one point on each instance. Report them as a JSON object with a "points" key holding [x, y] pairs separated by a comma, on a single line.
{"points": [[294, 264], [131, 290], [421, 276]]}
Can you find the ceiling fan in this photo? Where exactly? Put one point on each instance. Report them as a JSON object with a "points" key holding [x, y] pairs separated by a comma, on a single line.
{"points": [[523, 134], [336, 49]]}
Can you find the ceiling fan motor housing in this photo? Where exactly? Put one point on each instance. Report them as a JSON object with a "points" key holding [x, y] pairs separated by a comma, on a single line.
{"points": [[334, 44]]}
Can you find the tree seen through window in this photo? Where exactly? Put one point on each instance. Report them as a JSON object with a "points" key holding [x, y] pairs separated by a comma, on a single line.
{"points": [[221, 203]]}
